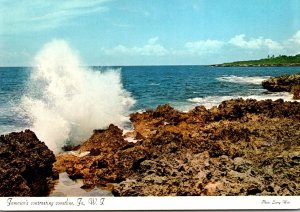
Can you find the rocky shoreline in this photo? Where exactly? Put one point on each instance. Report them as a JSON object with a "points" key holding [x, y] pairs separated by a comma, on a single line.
{"points": [[241, 147], [287, 83]]}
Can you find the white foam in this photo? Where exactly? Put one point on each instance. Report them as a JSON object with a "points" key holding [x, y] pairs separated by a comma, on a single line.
{"points": [[79, 154], [256, 80], [130, 139], [211, 101], [66, 101], [257, 89]]}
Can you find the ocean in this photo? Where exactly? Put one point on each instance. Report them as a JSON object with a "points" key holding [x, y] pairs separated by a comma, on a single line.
{"points": [[64, 104], [183, 87], [63, 101]]}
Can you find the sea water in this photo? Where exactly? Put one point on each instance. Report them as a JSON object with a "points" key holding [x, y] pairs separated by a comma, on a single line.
{"points": [[62, 100]]}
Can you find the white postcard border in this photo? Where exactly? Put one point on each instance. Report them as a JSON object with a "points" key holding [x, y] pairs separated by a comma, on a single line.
{"points": [[149, 203]]}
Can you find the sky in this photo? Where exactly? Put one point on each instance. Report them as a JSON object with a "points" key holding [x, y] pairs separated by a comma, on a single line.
{"points": [[150, 32]]}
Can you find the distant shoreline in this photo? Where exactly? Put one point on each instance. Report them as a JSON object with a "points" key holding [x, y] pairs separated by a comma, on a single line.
{"points": [[270, 61], [256, 65]]}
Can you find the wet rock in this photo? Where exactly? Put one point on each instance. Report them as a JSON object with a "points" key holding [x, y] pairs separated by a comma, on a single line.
{"points": [[296, 92], [105, 140], [282, 83], [241, 147], [288, 83], [25, 165]]}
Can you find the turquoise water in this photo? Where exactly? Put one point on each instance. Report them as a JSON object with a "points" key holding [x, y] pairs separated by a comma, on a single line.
{"points": [[181, 86]]}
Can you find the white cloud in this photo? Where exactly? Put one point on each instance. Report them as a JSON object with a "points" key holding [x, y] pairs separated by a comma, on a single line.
{"points": [[296, 38], [254, 43], [152, 48], [273, 45], [203, 46], [34, 15], [239, 40], [152, 41], [206, 48]]}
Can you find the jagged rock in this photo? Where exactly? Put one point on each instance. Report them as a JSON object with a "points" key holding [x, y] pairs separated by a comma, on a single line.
{"points": [[104, 164], [288, 83], [296, 92], [25, 165], [109, 140], [242, 147]]}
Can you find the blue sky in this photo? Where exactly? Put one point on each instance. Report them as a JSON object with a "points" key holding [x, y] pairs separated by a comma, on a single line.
{"points": [[156, 32]]}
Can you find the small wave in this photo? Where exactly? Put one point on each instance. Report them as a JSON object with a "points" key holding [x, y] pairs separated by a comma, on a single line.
{"points": [[257, 89], [255, 80], [211, 101]]}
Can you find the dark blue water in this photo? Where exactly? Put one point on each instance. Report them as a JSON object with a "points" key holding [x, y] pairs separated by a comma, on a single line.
{"points": [[181, 86]]}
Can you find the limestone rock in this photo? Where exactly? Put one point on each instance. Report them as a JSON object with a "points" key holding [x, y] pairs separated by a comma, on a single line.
{"points": [[25, 165], [241, 147], [288, 83]]}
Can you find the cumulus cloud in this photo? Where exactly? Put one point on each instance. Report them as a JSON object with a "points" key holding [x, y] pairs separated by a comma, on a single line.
{"points": [[203, 46], [239, 40], [151, 48], [254, 43], [296, 38], [234, 46], [273, 45]]}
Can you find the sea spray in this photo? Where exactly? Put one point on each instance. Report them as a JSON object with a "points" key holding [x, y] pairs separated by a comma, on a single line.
{"points": [[66, 101]]}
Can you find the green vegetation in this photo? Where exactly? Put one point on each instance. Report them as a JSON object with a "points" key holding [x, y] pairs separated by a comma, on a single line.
{"points": [[281, 60]]}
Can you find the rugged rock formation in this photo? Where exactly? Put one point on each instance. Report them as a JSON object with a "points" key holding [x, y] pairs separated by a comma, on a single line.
{"points": [[105, 162], [288, 83], [296, 92], [25, 165], [242, 147]]}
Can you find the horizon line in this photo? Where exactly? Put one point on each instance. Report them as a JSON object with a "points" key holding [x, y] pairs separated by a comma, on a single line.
{"points": [[20, 66]]}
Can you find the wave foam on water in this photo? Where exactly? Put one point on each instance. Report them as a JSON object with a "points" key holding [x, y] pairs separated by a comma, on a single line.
{"points": [[65, 101], [255, 80], [211, 101]]}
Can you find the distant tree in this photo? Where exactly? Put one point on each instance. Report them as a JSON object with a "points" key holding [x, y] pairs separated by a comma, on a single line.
{"points": [[271, 59]]}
